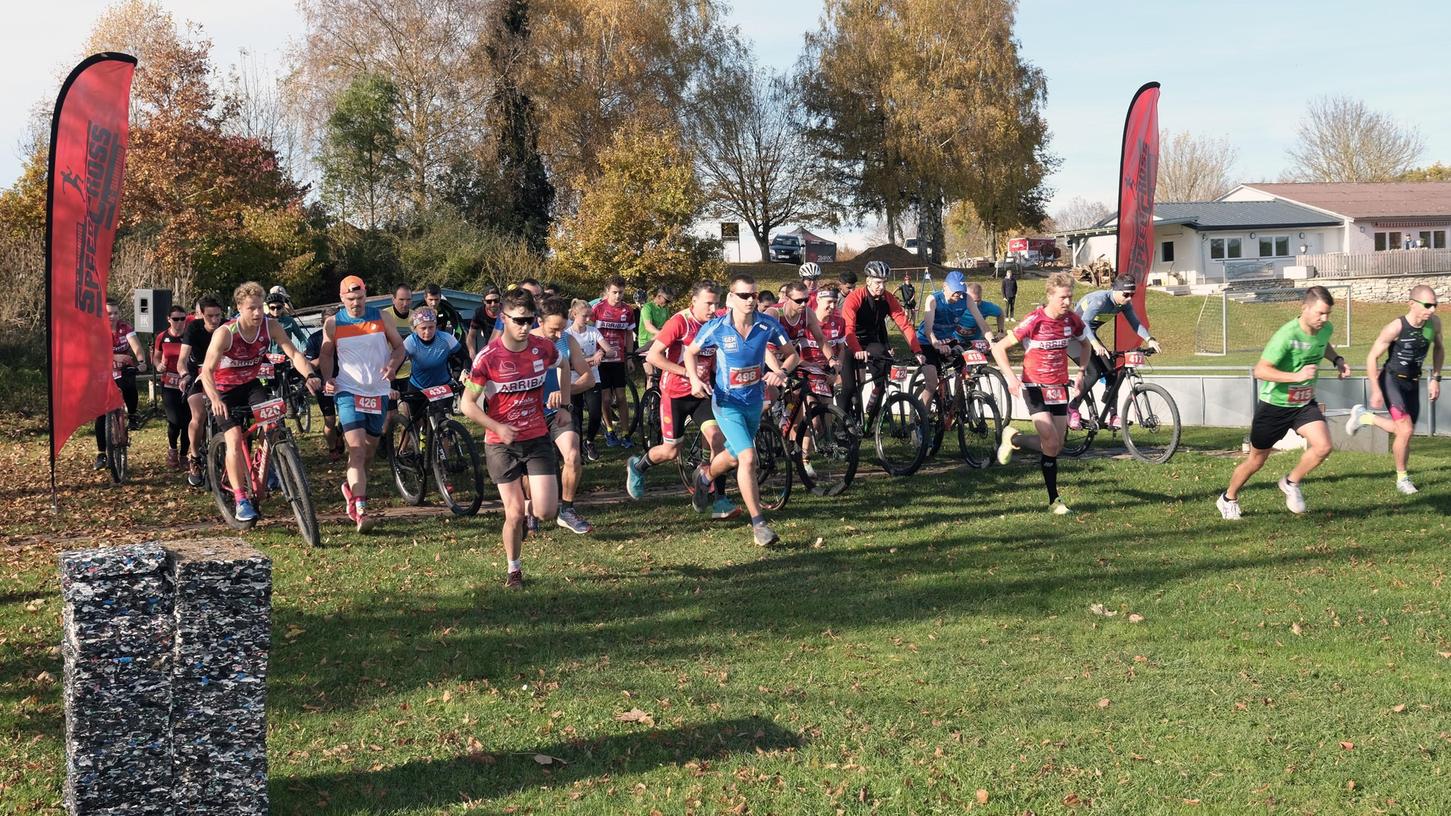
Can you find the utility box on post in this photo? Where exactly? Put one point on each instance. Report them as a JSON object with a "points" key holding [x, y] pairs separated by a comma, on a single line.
{"points": [[150, 308]]}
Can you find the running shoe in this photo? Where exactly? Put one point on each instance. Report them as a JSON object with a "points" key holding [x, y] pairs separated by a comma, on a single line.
{"points": [[626, 442], [1075, 419], [515, 580], [1114, 422], [100, 462], [334, 454], [1058, 508], [612, 440], [133, 423], [1405, 486], [245, 511], [810, 471], [1294, 498], [591, 454], [531, 524], [194, 473], [634, 479], [700, 497], [173, 459], [570, 520], [764, 535], [365, 521], [1005, 447], [724, 508], [1353, 423], [1228, 510], [348, 500]]}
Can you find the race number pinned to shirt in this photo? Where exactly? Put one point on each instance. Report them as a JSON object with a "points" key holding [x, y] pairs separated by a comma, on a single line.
{"points": [[368, 405], [276, 358], [744, 376], [1054, 394], [438, 392], [170, 379], [265, 371], [1300, 394]]}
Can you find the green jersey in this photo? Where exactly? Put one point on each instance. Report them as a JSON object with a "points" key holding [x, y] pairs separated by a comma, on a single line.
{"points": [[1290, 350], [657, 315]]}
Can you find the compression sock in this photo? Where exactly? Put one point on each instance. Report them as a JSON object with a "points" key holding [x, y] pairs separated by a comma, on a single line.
{"points": [[1050, 475]]}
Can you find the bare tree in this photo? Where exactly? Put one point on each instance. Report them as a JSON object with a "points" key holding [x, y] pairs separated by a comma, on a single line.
{"points": [[1194, 168], [263, 112], [1340, 139], [1080, 213]]}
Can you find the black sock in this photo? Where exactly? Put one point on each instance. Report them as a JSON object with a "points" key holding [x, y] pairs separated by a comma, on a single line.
{"points": [[565, 504], [1050, 475], [643, 463], [720, 485]]}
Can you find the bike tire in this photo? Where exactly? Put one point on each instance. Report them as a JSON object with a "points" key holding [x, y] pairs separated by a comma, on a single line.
{"points": [[995, 385], [1076, 443], [118, 442], [902, 432], [833, 442], [650, 434], [301, 406], [1158, 450], [692, 453], [410, 471], [632, 395], [774, 464], [295, 489], [221, 487], [979, 428], [456, 468]]}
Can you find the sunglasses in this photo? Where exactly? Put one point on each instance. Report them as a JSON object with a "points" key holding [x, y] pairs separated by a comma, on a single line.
{"points": [[525, 320], [274, 305], [178, 319], [799, 301], [745, 295], [491, 301], [352, 289], [1425, 305]]}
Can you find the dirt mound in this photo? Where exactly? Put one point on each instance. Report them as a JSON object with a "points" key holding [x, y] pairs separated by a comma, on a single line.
{"points": [[895, 256]]}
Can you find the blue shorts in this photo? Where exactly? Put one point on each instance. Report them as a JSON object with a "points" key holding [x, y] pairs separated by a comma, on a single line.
{"points": [[739, 424], [351, 419]]}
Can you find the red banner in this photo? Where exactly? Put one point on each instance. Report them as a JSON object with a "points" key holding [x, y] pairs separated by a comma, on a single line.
{"points": [[1138, 174], [87, 164]]}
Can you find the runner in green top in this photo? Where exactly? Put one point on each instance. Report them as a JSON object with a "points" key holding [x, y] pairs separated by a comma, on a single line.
{"points": [[1287, 372], [653, 315]]}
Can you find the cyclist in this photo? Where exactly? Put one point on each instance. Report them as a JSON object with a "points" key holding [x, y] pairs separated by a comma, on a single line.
{"points": [[194, 345], [560, 418], [846, 282], [1047, 332], [1095, 309], [1398, 384], [968, 329], [449, 320], [361, 350], [819, 360], [509, 374], [127, 359], [677, 403], [165, 353], [278, 309], [615, 320], [865, 312], [653, 315], [229, 376], [326, 404], [483, 323], [1286, 373], [945, 311], [740, 339], [400, 313], [810, 273]]}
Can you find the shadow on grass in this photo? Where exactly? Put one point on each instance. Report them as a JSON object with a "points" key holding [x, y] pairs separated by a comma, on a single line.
{"points": [[440, 783]]}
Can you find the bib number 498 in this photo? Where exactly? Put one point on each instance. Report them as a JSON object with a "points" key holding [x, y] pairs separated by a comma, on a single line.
{"points": [[743, 377]]}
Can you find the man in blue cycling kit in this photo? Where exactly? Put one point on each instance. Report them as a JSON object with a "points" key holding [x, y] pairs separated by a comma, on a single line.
{"points": [[1095, 309], [968, 329], [945, 309], [740, 338]]}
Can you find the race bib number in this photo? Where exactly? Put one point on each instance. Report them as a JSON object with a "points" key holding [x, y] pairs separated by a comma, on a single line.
{"points": [[1054, 394], [265, 371], [368, 405], [269, 412], [1300, 394], [170, 379], [438, 392], [1134, 358], [744, 377], [973, 357], [899, 374], [982, 346], [276, 359], [820, 386]]}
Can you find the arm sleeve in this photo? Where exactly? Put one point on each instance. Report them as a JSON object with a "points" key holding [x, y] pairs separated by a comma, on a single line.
{"points": [[1134, 323], [848, 314], [899, 316]]}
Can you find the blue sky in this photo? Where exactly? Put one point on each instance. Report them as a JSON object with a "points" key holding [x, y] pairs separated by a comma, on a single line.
{"points": [[1234, 69]]}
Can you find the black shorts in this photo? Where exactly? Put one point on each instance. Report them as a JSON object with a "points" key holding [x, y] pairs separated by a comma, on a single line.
{"points": [[239, 402], [675, 410], [1272, 421], [1037, 402], [932, 357], [613, 375], [509, 462], [326, 405], [1403, 395]]}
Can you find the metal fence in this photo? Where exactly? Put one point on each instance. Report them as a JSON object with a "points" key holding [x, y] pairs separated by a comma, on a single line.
{"points": [[1372, 264]]}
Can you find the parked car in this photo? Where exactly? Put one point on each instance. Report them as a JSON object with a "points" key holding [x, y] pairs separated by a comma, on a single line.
{"points": [[786, 248]]}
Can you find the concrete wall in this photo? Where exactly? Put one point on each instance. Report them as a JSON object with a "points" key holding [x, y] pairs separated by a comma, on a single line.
{"points": [[1390, 288]]}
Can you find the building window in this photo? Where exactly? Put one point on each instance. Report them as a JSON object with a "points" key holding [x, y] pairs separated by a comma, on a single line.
{"points": [[1223, 248], [1166, 251], [1274, 246], [1432, 239], [1389, 240]]}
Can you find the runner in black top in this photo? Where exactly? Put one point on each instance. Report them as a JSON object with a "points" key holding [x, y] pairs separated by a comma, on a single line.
{"points": [[194, 344]]}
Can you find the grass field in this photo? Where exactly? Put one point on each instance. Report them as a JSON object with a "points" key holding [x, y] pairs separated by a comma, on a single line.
{"points": [[937, 644]]}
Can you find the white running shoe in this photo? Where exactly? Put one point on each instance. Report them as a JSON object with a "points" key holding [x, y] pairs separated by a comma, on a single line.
{"points": [[1353, 424], [1405, 486], [1228, 510], [1005, 448], [1294, 498], [1058, 508]]}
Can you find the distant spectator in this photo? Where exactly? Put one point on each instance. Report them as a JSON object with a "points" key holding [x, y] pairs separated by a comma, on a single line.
{"points": [[1010, 291]]}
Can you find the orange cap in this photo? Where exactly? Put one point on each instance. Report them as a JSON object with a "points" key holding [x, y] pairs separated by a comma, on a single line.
{"points": [[352, 283]]}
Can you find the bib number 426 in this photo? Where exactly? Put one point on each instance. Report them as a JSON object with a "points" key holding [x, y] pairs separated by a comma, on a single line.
{"points": [[368, 405]]}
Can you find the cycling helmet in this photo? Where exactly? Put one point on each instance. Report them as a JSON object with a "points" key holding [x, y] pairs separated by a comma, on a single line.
{"points": [[878, 269], [810, 269]]}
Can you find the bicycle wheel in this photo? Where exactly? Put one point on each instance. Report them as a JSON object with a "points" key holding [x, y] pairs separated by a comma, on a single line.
{"points": [[995, 385], [979, 428], [831, 465], [456, 468], [903, 434], [632, 397], [118, 440], [1151, 423], [410, 472], [300, 406], [295, 489], [220, 484], [693, 453], [773, 467], [649, 435], [1076, 442]]}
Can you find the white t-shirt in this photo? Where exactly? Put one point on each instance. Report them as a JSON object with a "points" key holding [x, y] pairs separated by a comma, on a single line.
{"points": [[589, 343]]}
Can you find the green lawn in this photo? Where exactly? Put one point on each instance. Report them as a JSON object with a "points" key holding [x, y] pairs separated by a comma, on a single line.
{"points": [[913, 642]]}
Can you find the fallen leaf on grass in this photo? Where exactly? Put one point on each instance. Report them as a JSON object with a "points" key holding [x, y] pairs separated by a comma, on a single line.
{"points": [[1135, 617], [546, 760], [1297, 628], [981, 796], [1073, 800], [1347, 745], [635, 715], [1398, 708], [1104, 702], [1102, 611], [1350, 784], [1446, 655], [817, 544]]}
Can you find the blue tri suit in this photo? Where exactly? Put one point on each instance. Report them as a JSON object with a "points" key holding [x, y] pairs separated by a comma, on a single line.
{"points": [[739, 371]]}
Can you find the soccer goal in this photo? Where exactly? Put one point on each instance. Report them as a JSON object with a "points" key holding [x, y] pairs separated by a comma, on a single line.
{"points": [[1243, 320]]}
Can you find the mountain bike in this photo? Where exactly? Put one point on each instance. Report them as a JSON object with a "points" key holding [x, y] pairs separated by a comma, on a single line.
{"points": [[824, 447], [900, 428], [292, 389], [986, 378], [774, 461], [117, 440], [960, 403], [645, 417], [428, 442], [1150, 418], [267, 446]]}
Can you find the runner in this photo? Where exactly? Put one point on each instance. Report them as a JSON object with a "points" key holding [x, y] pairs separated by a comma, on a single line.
{"points": [[946, 310], [677, 403], [559, 413], [360, 352], [509, 375], [866, 312], [165, 354], [1095, 309], [326, 404], [1047, 333], [194, 345], [615, 320], [1286, 372], [1398, 385], [229, 376], [740, 339], [399, 312], [482, 324], [653, 315]]}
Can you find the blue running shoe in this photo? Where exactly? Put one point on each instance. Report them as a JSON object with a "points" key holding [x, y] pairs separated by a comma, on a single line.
{"points": [[634, 479], [245, 511]]}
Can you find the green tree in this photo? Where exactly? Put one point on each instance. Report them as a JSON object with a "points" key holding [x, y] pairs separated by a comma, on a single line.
{"points": [[1431, 172], [359, 158]]}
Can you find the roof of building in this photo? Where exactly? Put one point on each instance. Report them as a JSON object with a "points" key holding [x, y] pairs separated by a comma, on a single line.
{"points": [[1222, 215], [1389, 199]]}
